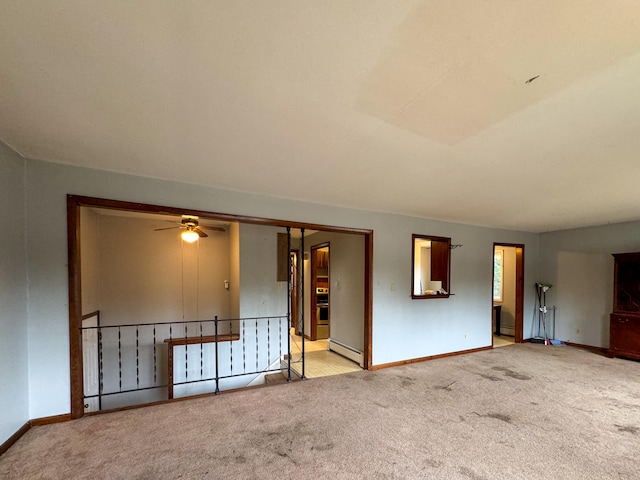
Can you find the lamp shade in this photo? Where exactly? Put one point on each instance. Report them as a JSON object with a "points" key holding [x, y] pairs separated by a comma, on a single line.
{"points": [[189, 236]]}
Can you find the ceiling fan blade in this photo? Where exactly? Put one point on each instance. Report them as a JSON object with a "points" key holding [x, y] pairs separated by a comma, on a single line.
{"points": [[216, 229], [167, 228], [200, 232]]}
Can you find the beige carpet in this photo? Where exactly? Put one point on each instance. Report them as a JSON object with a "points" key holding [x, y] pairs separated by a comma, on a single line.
{"points": [[518, 412]]}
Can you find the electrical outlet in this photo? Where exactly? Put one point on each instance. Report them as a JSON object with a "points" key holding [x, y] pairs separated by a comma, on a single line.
{"points": [[393, 287], [465, 335]]}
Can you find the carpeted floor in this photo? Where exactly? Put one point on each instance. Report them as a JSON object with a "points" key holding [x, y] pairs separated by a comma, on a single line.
{"points": [[519, 412]]}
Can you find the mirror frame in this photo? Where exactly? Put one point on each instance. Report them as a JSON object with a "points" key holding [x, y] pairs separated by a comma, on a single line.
{"points": [[445, 283]]}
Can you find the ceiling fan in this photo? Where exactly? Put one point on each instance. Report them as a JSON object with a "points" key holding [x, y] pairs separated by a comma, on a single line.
{"points": [[192, 230]]}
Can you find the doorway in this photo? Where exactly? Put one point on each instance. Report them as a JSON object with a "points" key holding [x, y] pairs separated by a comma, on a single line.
{"points": [[320, 310], [507, 294], [335, 294], [77, 306]]}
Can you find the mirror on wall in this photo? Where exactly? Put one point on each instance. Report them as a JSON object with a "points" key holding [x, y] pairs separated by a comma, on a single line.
{"points": [[430, 264]]}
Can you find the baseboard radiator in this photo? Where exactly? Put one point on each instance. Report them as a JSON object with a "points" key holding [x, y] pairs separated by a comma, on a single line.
{"points": [[346, 351]]}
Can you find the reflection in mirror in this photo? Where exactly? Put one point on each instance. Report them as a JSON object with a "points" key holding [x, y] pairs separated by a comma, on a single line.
{"points": [[430, 266]]}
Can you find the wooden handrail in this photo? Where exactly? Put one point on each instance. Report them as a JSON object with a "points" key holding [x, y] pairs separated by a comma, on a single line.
{"points": [[226, 337], [172, 342]]}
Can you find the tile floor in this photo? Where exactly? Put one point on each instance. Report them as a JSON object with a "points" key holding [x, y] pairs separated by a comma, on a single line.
{"points": [[502, 341], [319, 362]]}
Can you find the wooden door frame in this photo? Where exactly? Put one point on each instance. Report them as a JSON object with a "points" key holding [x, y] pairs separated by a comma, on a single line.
{"points": [[75, 202], [519, 313]]}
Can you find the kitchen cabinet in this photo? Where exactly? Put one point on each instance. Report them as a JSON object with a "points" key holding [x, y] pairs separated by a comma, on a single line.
{"points": [[322, 261]]}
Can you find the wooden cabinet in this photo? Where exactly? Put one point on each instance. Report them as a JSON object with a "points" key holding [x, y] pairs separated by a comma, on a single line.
{"points": [[625, 336], [322, 259], [624, 326]]}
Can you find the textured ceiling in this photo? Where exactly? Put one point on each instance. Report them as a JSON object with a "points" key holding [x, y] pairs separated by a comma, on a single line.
{"points": [[414, 107]]}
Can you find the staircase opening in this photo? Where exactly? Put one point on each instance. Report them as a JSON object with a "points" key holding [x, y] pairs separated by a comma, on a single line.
{"points": [[179, 319]]}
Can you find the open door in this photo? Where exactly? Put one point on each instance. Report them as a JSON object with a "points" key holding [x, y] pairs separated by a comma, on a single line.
{"points": [[508, 291]]}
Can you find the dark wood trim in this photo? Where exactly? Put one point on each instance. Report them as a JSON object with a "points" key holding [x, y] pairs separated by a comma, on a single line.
{"points": [[503, 244], [282, 257], [227, 337], [38, 422], [74, 202], [519, 320], [84, 201], [368, 301], [14, 438], [424, 359], [75, 307], [598, 350], [92, 314]]}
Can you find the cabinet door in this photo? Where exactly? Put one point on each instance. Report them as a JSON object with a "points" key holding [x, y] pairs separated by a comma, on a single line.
{"points": [[625, 335]]}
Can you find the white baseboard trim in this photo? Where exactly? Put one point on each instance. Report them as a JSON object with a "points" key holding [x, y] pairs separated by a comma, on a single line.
{"points": [[346, 351]]}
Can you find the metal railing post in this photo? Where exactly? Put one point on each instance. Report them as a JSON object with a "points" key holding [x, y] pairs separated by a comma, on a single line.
{"points": [[289, 305], [302, 296], [215, 324], [100, 371], [119, 359]]}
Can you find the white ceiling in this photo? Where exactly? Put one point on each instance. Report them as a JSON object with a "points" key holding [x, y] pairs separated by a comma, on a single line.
{"points": [[414, 107]]}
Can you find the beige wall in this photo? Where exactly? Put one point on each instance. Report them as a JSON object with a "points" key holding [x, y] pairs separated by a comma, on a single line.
{"points": [[402, 328], [584, 292], [90, 260], [147, 276], [234, 270], [14, 368], [579, 265]]}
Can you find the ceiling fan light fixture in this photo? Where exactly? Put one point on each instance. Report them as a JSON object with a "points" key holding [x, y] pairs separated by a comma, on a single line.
{"points": [[189, 236]]}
